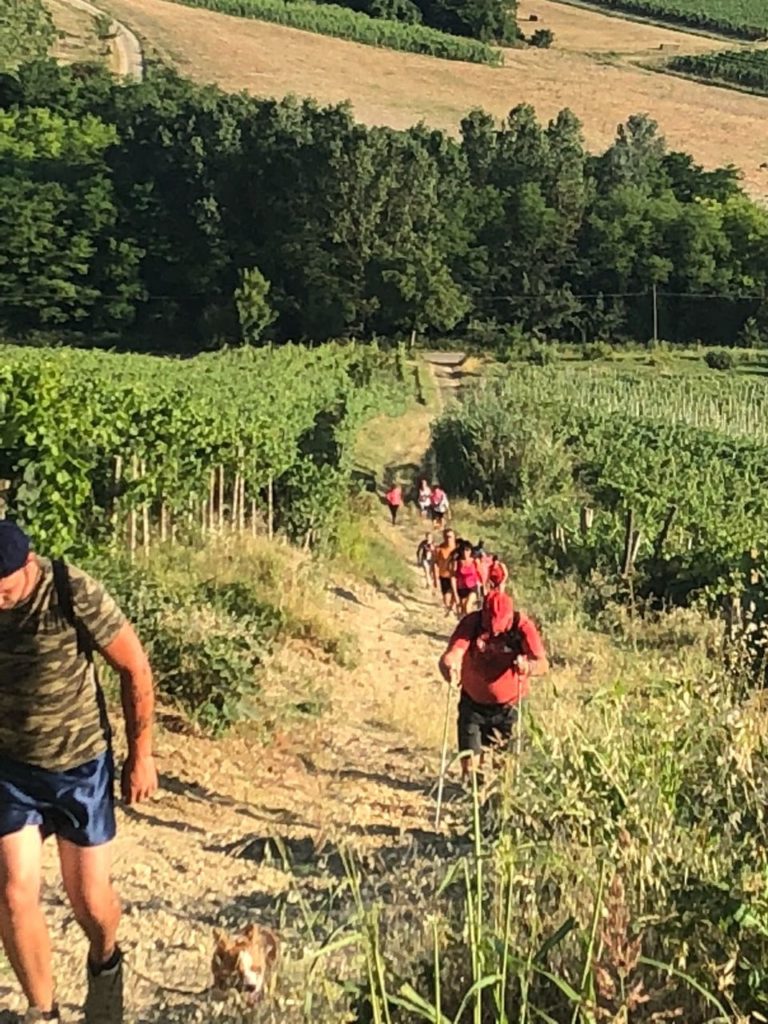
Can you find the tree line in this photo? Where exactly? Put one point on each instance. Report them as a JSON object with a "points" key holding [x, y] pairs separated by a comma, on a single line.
{"points": [[181, 217], [487, 20]]}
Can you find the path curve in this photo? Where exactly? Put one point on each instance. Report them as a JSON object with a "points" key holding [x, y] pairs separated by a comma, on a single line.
{"points": [[126, 48]]}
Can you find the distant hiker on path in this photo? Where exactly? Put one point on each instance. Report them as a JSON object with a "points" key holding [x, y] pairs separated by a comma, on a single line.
{"points": [[425, 558], [424, 498], [483, 562], [394, 500], [443, 569], [494, 652], [498, 574], [439, 505], [56, 767]]}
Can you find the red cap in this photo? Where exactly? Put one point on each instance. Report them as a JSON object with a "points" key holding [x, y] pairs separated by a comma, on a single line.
{"points": [[498, 612]]}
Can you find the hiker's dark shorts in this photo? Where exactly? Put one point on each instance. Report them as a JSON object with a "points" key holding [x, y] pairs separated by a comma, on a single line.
{"points": [[481, 725], [78, 804], [465, 592], [446, 585]]}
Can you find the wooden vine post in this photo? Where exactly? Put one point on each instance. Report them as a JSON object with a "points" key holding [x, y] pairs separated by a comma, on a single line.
{"points": [[132, 515], [270, 508], [145, 539]]}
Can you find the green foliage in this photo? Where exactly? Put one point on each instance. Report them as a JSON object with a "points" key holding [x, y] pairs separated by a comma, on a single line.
{"points": [[130, 215], [26, 32], [597, 351], [687, 457], [205, 644], [746, 19], [542, 38], [333, 20], [745, 68], [253, 309], [487, 20], [719, 359]]}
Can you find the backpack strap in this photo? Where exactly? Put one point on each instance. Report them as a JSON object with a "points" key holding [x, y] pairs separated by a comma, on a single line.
{"points": [[63, 586]]}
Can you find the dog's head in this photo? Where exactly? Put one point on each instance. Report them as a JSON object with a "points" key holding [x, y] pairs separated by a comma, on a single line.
{"points": [[246, 962]]}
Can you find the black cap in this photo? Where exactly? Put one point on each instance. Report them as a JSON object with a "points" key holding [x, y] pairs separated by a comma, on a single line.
{"points": [[14, 548]]}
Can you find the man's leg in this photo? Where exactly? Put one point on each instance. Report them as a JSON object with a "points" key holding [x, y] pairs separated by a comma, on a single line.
{"points": [[22, 925], [86, 874], [85, 871]]}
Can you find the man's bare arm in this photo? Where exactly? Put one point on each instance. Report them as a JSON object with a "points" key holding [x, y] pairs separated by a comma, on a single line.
{"points": [[128, 658]]}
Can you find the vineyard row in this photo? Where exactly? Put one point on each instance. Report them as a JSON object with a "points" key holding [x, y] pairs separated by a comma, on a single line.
{"points": [[97, 447]]}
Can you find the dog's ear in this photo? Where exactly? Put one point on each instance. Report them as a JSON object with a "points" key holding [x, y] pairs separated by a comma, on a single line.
{"points": [[220, 939]]}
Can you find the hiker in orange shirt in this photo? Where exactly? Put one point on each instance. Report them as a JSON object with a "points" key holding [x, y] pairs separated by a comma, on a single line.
{"points": [[494, 652]]}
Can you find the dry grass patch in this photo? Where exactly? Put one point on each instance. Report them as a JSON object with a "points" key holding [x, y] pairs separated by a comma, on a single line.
{"points": [[580, 30]]}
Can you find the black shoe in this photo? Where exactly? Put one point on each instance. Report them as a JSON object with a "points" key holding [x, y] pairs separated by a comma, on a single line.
{"points": [[104, 1002]]}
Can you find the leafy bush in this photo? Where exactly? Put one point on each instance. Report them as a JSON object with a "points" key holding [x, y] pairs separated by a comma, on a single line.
{"points": [[205, 644], [332, 20], [542, 38], [719, 359], [596, 351]]}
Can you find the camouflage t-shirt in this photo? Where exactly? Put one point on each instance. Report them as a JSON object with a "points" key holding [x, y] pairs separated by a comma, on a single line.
{"points": [[51, 713]]}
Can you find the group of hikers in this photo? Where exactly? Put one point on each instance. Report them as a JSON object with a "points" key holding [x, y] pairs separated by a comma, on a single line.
{"points": [[463, 572], [431, 499], [495, 648]]}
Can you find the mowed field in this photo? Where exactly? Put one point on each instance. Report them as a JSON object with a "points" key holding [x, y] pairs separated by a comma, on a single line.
{"points": [[590, 71]]}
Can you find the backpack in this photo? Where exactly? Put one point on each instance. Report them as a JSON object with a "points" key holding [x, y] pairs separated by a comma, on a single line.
{"points": [[514, 635]]}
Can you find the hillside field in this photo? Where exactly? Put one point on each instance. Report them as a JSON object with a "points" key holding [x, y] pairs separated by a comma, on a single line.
{"points": [[399, 89]]}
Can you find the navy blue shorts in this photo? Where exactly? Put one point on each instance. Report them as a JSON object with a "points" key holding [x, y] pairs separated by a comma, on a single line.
{"points": [[78, 804]]}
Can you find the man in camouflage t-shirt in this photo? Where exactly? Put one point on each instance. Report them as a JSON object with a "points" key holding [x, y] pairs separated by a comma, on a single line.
{"points": [[56, 767]]}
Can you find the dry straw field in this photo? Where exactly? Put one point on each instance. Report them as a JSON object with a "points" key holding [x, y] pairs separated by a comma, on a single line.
{"points": [[590, 70]]}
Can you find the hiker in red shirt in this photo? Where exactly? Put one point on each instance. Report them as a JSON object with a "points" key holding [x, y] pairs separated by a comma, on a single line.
{"points": [[394, 499], [494, 651]]}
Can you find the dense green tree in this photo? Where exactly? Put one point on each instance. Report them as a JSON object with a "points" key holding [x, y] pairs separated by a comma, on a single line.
{"points": [[146, 207], [61, 258]]}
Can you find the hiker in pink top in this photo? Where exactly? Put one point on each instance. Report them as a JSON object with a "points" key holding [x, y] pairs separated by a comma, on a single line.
{"points": [[439, 505], [466, 578], [394, 500]]}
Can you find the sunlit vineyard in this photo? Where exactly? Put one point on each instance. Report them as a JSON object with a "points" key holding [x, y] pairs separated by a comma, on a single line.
{"points": [[747, 19], [686, 457], [99, 447], [745, 68], [735, 406]]}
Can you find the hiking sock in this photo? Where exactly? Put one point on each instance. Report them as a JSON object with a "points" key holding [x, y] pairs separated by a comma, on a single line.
{"points": [[107, 966], [34, 1014]]}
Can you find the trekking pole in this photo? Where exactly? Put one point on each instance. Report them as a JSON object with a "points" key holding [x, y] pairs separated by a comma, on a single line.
{"points": [[444, 753]]}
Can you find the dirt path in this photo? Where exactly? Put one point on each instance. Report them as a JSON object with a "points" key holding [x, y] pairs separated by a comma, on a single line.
{"points": [[208, 850], [125, 55]]}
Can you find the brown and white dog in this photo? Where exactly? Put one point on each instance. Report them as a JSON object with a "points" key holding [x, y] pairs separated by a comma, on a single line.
{"points": [[245, 963]]}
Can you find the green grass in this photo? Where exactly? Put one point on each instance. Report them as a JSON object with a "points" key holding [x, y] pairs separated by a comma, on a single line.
{"points": [[365, 551], [344, 23]]}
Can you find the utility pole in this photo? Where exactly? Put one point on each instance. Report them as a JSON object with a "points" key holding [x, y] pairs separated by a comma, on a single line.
{"points": [[655, 314]]}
